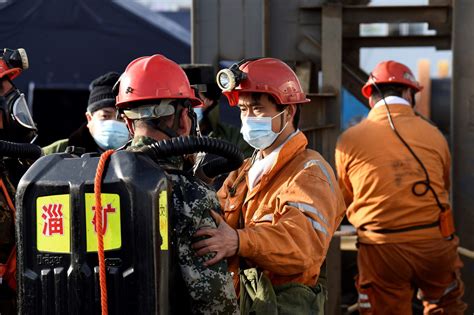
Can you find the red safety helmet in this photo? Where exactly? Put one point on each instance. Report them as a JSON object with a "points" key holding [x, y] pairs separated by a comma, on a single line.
{"points": [[153, 78], [390, 72], [264, 75], [13, 62]]}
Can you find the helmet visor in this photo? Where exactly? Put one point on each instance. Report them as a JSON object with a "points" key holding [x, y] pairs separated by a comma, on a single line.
{"points": [[21, 113]]}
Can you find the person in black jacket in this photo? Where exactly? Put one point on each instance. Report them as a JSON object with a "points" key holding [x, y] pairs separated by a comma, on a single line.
{"points": [[103, 130]]}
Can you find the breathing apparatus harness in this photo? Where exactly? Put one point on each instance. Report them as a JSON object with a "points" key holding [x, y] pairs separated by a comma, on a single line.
{"points": [[445, 221], [231, 158]]}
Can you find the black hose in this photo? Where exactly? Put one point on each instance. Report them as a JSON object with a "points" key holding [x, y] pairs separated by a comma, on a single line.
{"points": [[20, 150], [230, 158], [426, 183]]}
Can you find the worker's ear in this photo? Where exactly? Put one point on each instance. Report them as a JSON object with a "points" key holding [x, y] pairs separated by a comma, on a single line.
{"points": [[185, 123], [90, 124], [129, 124], [290, 112], [371, 102], [88, 116], [409, 95]]}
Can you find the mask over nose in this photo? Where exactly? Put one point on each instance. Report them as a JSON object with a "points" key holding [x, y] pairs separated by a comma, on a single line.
{"points": [[257, 131], [110, 134]]}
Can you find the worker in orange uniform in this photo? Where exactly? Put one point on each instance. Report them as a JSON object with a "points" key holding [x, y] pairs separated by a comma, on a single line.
{"points": [[283, 205], [393, 169]]}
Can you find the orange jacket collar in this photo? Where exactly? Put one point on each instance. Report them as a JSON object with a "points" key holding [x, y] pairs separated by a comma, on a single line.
{"points": [[395, 110], [296, 145]]}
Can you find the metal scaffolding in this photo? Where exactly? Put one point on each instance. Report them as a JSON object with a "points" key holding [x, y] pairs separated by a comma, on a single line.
{"points": [[462, 135]]}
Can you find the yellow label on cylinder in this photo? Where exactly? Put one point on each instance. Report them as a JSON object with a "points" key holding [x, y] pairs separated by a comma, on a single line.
{"points": [[52, 224], [163, 214], [110, 222]]}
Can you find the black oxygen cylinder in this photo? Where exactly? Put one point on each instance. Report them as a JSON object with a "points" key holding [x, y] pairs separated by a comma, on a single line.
{"points": [[57, 252]]}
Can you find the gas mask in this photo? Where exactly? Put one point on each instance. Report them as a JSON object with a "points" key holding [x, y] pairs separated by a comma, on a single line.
{"points": [[18, 124]]}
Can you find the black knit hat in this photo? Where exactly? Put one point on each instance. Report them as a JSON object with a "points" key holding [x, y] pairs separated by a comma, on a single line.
{"points": [[101, 92]]}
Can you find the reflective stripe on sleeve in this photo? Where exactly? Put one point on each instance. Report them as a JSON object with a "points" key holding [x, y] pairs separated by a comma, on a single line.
{"points": [[318, 226], [363, 296], [266, 217], [323, 168], [365, 305], [306, 208]]}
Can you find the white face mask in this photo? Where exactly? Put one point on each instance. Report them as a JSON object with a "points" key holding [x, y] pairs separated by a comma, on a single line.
{"points": [[110, 134], [257, 131]]}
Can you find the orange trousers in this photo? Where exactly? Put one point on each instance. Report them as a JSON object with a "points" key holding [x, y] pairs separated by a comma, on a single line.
{"points": [[389, 274]]}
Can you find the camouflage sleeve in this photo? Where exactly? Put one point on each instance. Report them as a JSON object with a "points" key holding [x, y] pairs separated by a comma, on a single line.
{"points": [[210, 288]]}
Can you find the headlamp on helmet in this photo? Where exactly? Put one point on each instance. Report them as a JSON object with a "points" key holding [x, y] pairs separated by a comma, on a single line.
{"points": [[228, 79], [16, 58], [12, 62]]}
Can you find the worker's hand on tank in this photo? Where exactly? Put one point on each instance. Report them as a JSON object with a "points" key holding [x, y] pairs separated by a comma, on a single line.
{"points": [[224, 241]]}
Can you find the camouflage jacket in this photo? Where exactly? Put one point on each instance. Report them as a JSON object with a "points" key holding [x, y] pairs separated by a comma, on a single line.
{"points": [[210, 289]]}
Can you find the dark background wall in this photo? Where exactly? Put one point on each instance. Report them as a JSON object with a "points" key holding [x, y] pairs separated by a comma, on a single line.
{"points": [[71, 42]]}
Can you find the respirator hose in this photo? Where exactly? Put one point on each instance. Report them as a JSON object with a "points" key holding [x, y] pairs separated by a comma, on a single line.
{"points": [[20, 150], [230, 158]]}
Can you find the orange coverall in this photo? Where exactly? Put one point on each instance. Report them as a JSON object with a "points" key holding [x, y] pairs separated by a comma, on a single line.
{"points": [[288, 218], [376, 174]]}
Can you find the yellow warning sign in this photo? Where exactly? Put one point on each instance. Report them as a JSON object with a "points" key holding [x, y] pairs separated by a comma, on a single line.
{"points": [[163, 213], [110, 222], [52, 224]]}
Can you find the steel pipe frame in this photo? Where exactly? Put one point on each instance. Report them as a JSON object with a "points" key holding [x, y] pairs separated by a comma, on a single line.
{"points": [[355, 14]]}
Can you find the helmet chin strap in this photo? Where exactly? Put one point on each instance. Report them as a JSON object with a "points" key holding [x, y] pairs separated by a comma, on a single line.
{"points": [[167, 131], [191, 114]]}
